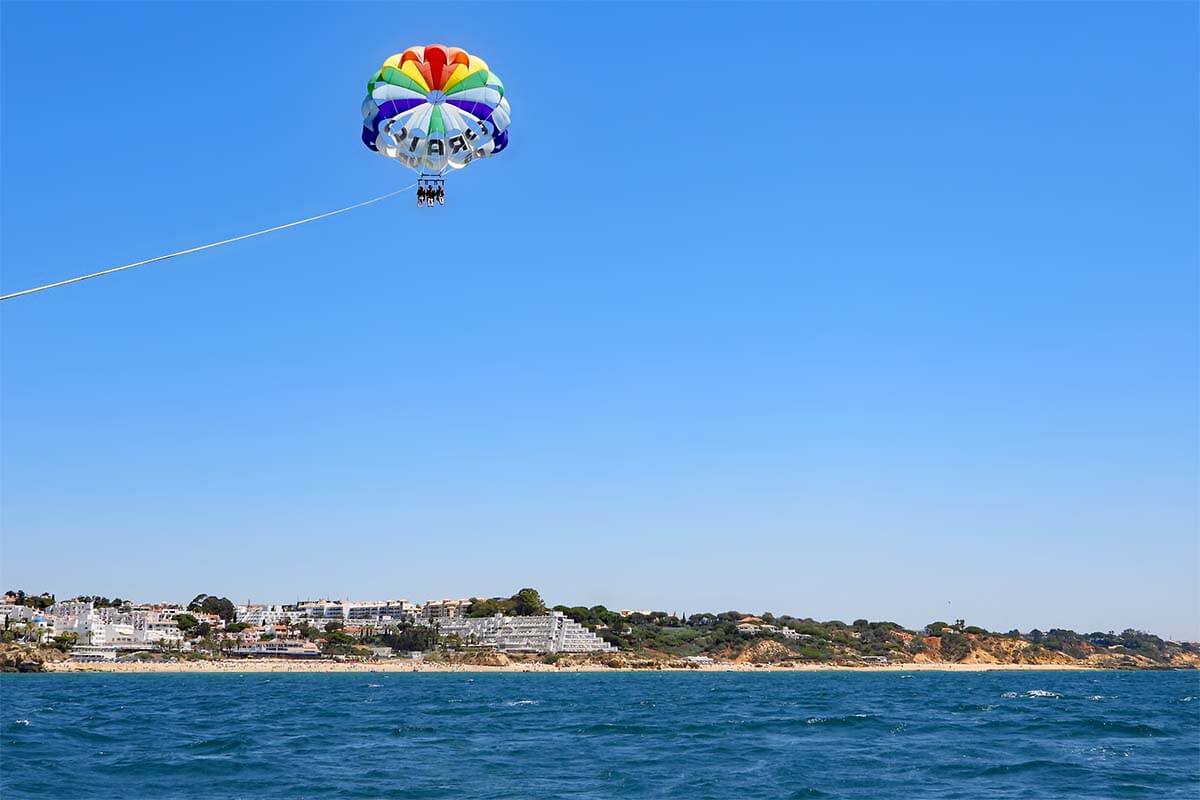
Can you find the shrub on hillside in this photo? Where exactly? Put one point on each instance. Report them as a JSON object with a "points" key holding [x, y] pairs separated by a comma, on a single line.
{"points": [[955, 646]]}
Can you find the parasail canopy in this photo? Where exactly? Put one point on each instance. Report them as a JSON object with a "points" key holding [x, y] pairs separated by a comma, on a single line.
{"points": [[435, 108]]}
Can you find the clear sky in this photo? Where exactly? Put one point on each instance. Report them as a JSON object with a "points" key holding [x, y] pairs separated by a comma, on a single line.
{"points": [[884, 311]]}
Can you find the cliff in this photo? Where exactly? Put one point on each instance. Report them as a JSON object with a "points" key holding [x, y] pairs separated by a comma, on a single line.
{"points": [[27, 657]]}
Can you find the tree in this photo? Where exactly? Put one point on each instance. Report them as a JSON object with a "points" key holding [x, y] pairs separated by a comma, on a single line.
{"points": [[333, 625], [410, 638], [41, 602], [186, 622], [528, 603], [221, 606], [484, 607], [338, 643], [66, 640], [210, 604]]}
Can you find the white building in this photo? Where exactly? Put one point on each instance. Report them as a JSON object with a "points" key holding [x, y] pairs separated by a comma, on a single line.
{"points": [[262, 616], [762, 629], [156, 626], [382, 612], [85, 652], [279, 648], [356, 612], [112, 627], [553, 633], [10, 612]]}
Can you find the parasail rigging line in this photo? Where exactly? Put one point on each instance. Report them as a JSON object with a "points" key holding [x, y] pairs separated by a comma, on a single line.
{"points": [[208, 246]]}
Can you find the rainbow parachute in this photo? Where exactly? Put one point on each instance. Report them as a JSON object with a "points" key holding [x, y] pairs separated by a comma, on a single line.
{"points": [[435, 108]]}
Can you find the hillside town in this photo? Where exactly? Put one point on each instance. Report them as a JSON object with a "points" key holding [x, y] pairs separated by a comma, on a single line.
{"points": [[39, 629], [98, 629]]}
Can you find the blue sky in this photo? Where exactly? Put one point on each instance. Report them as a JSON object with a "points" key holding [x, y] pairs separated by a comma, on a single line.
{"points": [[882, 311]]}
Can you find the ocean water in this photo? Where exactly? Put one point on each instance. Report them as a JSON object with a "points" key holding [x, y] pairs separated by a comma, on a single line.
{"points": [[631, 735]]}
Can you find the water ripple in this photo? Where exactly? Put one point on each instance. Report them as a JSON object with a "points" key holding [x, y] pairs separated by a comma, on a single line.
{"points": [[602, 736]]}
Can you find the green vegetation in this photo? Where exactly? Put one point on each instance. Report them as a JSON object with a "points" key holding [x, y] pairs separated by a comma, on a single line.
{"points": [[407, 638], [528, 603], [18, 598], [66, 640], [98, 601], [1068, 642], [955, 646], [337, 643], [525, 603], [210, 604], [718, 636]]}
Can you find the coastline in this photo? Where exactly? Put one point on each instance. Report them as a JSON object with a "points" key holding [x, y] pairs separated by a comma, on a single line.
{"points": [[281, 666]]}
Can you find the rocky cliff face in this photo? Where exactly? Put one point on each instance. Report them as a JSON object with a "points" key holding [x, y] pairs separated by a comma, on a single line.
{"points": [[963, 649], [27, 658], [1005, 650]]}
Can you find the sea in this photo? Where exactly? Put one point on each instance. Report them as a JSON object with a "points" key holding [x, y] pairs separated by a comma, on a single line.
{"points": [[1009, 734]]}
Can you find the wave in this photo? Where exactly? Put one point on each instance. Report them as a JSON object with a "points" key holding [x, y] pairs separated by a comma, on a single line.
{"points": [[219, 745], [1033, 765], [1109, 726], [848, 719], [83, 734], [621, 728]]}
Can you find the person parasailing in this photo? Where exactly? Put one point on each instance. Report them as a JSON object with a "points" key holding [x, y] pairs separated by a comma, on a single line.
{"points": [[433, 108]]}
